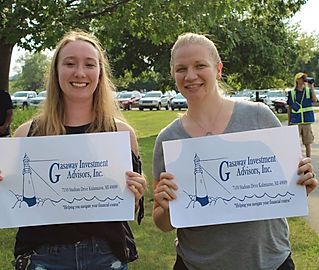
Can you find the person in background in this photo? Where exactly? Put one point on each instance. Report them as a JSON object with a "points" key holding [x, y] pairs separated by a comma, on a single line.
{"points": [[6, 113], [79, 100], [300, 110], [264, 245]]}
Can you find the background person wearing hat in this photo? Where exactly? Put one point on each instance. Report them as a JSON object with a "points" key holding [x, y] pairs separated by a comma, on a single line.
{"points": [[300, 110]]}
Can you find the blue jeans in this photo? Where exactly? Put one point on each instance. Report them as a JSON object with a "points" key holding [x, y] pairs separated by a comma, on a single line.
{"points": [[91, 254]]}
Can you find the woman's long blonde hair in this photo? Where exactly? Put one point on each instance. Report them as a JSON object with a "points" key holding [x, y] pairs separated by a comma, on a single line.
{"points": [[104, 109]]}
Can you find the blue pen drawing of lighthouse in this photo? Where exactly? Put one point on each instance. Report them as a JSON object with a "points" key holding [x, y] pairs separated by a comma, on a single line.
{"points": [[200, 185], [28, 188], [28, 193], [202, 195]]}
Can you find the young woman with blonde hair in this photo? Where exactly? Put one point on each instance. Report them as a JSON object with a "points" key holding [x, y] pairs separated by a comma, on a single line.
{"points": [[80, 100], [197, 68]]}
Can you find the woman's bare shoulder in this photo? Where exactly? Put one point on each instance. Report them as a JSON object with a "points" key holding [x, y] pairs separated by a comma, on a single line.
{"points": [[123, 126], [22, 131]]}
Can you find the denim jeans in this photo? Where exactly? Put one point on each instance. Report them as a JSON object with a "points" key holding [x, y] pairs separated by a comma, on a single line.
{"points": [[91, 254]]}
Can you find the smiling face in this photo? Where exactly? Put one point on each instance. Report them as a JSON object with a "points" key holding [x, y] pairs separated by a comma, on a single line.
{"points": [[78, 70], [194, 71]]}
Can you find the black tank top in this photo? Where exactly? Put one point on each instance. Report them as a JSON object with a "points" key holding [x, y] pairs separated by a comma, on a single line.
{"points": [[118, 234]]}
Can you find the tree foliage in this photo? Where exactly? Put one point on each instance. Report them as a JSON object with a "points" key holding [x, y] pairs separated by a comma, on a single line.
{"points": [[258, 48], [35, 25], [252, 35], [256, 52], [34, 72], [308, 58]]}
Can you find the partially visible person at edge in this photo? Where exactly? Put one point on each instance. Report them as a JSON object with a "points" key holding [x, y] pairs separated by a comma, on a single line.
{"points": [[6, 113], [300, 110], [79, 100], [264, 244]]}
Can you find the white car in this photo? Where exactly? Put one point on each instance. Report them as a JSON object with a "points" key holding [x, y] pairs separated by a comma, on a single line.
{"points": [[242, 95], [154, 100], [22, 98], [277, 95], [38, 100], [276, 100]]}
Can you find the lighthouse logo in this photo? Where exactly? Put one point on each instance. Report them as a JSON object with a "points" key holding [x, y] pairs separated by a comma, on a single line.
{"points": [[28, 194], [40, 187]]}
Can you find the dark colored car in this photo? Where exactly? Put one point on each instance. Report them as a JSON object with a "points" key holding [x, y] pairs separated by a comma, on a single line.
{"points": [[179, 102], [280, 106]]}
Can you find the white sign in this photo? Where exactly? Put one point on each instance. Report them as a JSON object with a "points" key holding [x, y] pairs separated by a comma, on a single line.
{"points": [[65, 179], [236, 177]]}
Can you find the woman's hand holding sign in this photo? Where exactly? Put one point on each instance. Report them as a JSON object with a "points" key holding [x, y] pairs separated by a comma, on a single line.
{"points": [[307, 176], [137, 184]]}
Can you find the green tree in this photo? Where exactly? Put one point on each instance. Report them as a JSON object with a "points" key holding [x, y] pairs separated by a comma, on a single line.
{"points": [[33, 73], [152, 25], [308, 57], [256, 44], [260, 53], [36, 25]]}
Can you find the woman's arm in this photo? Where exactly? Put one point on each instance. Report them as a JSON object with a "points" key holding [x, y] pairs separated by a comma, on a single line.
{"points": [[135, 181]]}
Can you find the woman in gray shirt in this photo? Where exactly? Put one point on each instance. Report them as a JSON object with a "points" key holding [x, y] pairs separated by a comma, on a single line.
{"points": [[196, 68]]}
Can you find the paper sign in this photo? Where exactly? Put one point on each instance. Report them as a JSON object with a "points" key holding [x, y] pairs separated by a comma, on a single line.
{"points": [[65, 179], [236, 177]]}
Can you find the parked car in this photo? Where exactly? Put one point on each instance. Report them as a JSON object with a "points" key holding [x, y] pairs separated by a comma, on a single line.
{"points": [[37, 101], [170, 94], [179, 102], [242, 95], [129, 99], [277, 100], [154, 100], [260, 96], [22, 98], [279, 106], [275, 95]]}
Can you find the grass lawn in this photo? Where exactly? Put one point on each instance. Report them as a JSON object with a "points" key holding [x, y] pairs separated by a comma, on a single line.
{"points": [[156, 249]]}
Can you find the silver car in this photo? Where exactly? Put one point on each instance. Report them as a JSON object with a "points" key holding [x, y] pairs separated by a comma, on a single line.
{"points": [[38, 100], [154, 100]]}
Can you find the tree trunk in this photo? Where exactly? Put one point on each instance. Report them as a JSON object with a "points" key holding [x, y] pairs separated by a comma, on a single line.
{"points": [[5, 59]]}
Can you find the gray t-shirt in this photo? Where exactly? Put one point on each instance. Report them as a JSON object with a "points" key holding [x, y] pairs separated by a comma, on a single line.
{"points": [[256, 245]]}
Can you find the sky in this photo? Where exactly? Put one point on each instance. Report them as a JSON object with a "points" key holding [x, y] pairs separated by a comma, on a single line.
{"points": [[307, 17]]}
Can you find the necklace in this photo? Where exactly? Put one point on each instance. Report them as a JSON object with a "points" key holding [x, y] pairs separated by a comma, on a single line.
{"points": [[207, 132]]}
